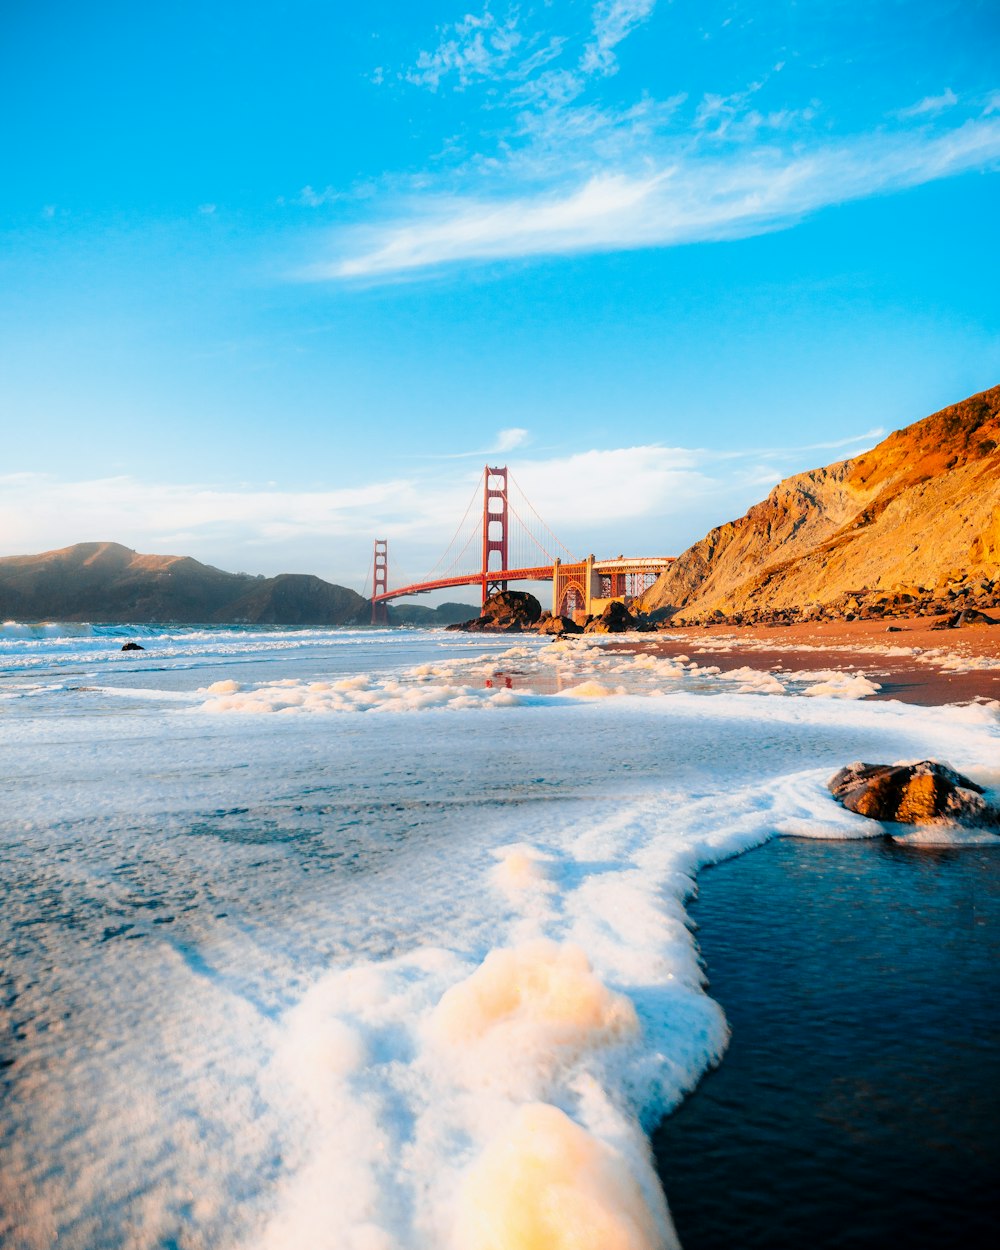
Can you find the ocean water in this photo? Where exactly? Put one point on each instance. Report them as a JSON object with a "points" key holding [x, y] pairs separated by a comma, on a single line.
{"points": [[370, 940], [858, 1100]]}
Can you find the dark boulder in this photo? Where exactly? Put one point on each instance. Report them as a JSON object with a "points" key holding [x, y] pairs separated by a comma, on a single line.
{"points": [[965, 619], [615, 619], [912, 794], [506, 612], [972, 616], [133, 646], [515, 605], [558, 625]]}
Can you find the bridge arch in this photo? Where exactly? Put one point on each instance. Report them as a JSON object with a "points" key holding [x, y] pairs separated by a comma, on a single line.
{"points": [[572, 597]]}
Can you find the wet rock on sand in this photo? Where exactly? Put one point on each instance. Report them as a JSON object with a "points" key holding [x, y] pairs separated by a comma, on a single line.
{"points": [[506, 612], [557, 625], [964, 620], [921, 793], [615, 619]]}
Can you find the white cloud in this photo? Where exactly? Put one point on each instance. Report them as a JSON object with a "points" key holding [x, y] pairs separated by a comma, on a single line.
{"points": [[479, 47], [645, 500], [482, 48], [614, 20], [589, 488], [507, 440], [865, 440], [929, 105], [691, 199], [206, 209], [573, 170], [308, 198], [37, 509]]}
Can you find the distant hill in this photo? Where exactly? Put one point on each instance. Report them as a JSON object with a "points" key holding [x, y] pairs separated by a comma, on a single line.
{"points": [[918, 513], [401, 613], [109, 582]]}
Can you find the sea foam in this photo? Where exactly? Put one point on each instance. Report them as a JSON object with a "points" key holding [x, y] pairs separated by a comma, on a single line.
{"points": [[293, 974]]}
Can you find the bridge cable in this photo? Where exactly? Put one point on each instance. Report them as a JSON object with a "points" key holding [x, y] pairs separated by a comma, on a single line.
{"points": [[454, 537], [557, 539], [525, 530]]}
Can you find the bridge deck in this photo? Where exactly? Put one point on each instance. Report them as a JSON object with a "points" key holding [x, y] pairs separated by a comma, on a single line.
{"points": [[539, 573], [542, 573]]}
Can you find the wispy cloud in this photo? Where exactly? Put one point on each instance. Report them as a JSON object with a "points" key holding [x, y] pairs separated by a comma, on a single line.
{"points": [[508, 439], [482, 47], [571, 169], [929, 105], [856, 442], [478, 47], [691, 199], [613, 20]]}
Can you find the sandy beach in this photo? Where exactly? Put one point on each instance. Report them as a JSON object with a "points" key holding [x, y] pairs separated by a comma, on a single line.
{"points": [[911, 662]]}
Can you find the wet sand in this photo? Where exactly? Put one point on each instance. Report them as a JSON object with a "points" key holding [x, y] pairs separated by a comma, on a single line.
{"points": [[912, 663]]}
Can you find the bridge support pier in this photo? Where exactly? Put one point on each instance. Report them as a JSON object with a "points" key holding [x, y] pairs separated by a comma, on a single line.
{"points": [[588, 581], [380, 581], [495, 527]]}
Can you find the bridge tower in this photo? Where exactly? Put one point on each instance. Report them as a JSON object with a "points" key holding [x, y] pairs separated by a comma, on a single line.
{"points": [[495, 527], [380, 581]]}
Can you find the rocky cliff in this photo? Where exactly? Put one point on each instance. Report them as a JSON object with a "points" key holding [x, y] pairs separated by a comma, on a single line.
{"points": [[915, 518], [110, 583]]}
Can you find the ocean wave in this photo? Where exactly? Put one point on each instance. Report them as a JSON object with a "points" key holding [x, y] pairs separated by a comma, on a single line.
{"points": [[44, 630]]}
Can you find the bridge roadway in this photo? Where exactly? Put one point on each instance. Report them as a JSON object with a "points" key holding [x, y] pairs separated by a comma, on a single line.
{"points": [[543, 573], [582, 576]]}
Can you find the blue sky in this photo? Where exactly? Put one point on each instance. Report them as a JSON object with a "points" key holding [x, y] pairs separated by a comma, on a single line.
{"points": [[275, 279]]}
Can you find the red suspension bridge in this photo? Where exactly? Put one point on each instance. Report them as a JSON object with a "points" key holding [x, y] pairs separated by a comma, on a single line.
{"points": [[502, 539]]}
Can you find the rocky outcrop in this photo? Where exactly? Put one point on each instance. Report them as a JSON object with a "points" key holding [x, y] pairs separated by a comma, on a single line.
{"points": [[923, 793], [514, 612], [506, 612], [970, 618], [615, 619], [109, 582], [557, 625], [913, 523]]}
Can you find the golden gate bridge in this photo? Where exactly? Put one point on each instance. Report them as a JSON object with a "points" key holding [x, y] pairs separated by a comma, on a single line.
{"points": [[502, 539]]}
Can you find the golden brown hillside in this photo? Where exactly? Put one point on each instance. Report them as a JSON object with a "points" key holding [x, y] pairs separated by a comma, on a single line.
{"points": [[917, 513]]}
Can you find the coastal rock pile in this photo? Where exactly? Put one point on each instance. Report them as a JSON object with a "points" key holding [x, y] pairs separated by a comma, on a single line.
{"points": [[959, 602], [923, 793], [968, 618], [615, 619], [515, 612], [557, 625], [506, 612]]}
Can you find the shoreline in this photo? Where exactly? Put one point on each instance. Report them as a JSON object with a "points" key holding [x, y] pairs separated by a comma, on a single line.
{"points": [[912, 663]]}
